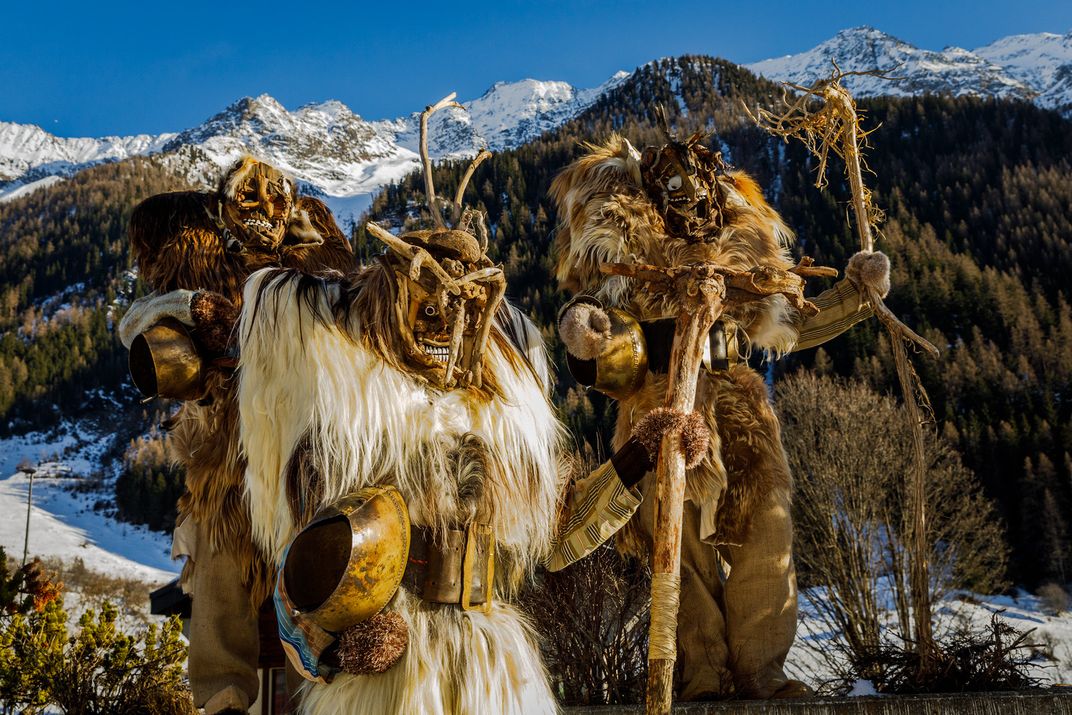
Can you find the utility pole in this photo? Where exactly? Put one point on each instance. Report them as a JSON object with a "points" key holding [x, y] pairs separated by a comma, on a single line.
{"points": [[29, 470]]}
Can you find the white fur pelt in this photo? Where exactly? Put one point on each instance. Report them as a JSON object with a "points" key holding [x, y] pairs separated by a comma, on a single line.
{"points": [[304, 379], [455, 663]]}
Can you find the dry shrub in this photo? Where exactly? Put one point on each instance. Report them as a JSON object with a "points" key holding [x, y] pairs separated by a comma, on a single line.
{"points": [[96, 588], [593, 619], [1055, 600], [965, 661], [850, 451]]}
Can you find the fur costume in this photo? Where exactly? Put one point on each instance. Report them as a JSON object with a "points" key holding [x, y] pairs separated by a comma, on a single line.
{"points": [[610, 212], [182, 243], [179, 242], [323, 383], [606, 216]]}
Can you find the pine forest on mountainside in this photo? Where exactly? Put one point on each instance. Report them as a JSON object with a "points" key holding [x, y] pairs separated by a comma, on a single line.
{"points": [[978, 229]]}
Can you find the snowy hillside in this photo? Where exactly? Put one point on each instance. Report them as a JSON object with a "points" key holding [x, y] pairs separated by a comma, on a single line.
{"points": [[337, 154], [952, 71], [63, 521]]}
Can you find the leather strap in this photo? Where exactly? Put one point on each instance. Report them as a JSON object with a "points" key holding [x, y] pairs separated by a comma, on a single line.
{"points": [[721, 352], [452, 566]]}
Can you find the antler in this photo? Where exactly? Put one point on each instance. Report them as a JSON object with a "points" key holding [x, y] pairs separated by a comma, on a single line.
{"points": [[481, 156], [418, 257], [429, 187]]}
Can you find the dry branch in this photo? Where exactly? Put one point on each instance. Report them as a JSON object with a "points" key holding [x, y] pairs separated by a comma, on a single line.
{"points": [[481, 156], [835, 126], [426, 162]]}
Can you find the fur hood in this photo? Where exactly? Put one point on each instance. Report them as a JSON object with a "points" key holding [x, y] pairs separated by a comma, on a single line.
{"points": [[606, 216]]}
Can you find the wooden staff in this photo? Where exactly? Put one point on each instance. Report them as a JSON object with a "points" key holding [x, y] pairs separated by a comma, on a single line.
{"points": [[835, 127], [701, 291]]}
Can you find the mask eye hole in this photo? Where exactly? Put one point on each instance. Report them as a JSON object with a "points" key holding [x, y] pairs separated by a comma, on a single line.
{"points": [[674, 183]]}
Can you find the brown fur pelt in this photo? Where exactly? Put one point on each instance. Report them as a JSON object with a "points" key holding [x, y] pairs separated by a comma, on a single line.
{"points": [[605, 216], [177, 243], [654, 426], [214, 319], [745, 461]]}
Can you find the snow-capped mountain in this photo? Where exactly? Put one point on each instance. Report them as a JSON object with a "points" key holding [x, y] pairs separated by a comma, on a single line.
{"points": [[25, 148], [336, 153], [1042, 60], [507, 115], [952, 71]]}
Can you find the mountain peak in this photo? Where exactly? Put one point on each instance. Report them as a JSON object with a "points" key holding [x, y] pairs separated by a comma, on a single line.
{"points": [[954, 71]]}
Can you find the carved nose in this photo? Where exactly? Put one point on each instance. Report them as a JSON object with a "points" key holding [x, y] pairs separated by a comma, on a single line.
{"points": [[262, 193]]}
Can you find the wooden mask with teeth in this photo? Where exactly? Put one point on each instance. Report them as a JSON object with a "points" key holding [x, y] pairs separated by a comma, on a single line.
{"points": [[447, 290], [681, 179], [446, 294], [256, 203]]}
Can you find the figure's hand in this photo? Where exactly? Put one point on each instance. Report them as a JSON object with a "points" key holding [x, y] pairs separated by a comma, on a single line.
{"points": [[658, 423], [585, 329], [214, 318], [149, 310], [870, 272], [373, 646]]}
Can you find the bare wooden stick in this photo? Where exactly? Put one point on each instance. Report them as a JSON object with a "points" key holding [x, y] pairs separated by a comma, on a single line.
{"points": [[426, 162], [481, 156], [700, 303]]}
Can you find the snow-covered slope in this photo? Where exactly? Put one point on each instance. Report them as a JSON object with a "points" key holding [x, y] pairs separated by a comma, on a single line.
{"points": [[952, 71], [63, 522], [336, 153], [1043, 61]]}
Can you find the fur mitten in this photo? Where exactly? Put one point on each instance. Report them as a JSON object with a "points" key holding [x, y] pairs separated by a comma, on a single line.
{"points": [[373, 646], [150, 309], [658, 423], [585, 330], [214, 320], [870, 271]]}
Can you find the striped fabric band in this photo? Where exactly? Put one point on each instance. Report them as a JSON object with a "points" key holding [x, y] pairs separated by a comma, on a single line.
{"points": [[598, 506], [840, 308]]}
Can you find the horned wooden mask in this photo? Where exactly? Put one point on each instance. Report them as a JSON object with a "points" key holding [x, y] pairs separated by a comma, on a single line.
{"points": [[446, 294], [447, 290]]}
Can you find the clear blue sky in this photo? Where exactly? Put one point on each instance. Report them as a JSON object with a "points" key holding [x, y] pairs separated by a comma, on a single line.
{"points": [[90, 69]]}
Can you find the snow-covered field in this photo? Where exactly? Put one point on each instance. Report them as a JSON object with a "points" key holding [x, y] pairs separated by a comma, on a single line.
{"points": [[63, 522], [1050, 637]]}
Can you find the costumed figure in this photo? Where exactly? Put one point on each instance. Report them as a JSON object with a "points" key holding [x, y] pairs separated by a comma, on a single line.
{"points": [[405, 471], [195, 251], [677, 205]]}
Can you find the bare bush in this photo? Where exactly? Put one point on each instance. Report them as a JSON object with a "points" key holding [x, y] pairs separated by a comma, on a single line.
{"points": [[1055, 600], [593, 617], [850, 450]]}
